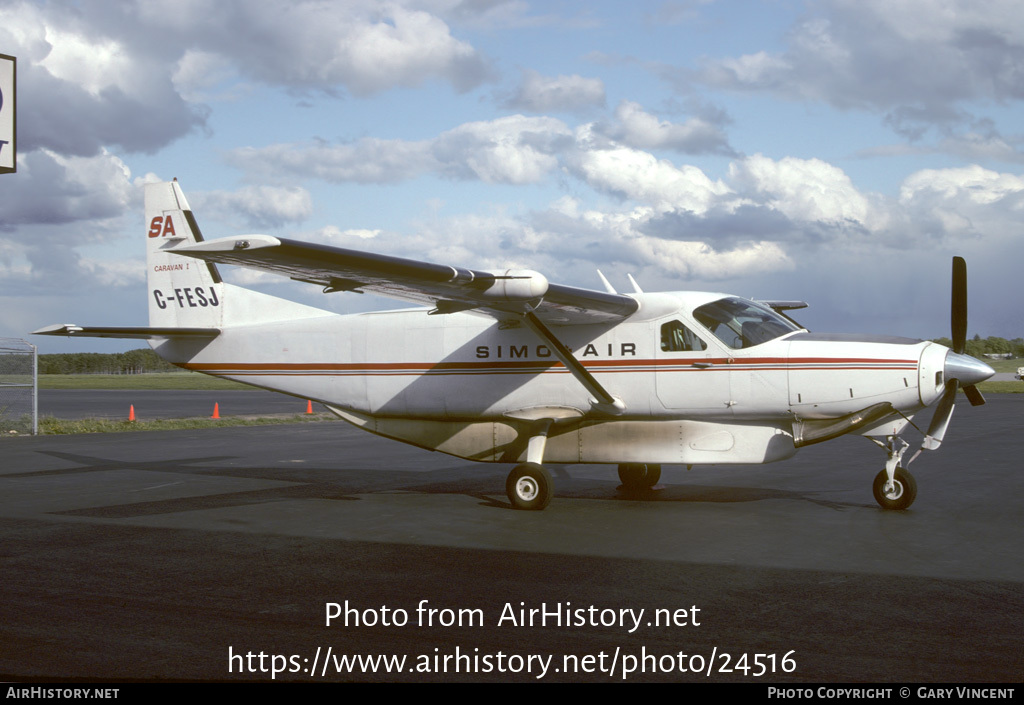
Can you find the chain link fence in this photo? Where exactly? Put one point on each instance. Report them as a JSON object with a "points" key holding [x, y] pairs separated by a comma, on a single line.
{"points": [[19, 409]]}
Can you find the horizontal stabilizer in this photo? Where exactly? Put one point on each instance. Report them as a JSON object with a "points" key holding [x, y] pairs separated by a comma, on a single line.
{"points": [[140, 332]]}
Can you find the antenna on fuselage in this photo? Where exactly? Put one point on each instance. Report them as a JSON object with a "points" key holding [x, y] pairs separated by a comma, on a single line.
{"points": [[607, 284]]}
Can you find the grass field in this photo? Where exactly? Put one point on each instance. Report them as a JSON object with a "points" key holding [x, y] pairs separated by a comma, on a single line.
{"points": [[1005, 365], [162, 380], [1010, 387], [53, 426]]}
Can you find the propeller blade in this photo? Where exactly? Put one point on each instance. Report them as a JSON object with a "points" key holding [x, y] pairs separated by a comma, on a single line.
{"points": [[974, 395], [958, 308], [959, 369], [940, 421]]}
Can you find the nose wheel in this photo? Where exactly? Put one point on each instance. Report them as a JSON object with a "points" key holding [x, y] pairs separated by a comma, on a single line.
{"points": [[896, 494], [894, 488]]}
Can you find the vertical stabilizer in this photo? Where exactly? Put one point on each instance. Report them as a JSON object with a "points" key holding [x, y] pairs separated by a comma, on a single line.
{"points": [[187, 293], [182, 293]]}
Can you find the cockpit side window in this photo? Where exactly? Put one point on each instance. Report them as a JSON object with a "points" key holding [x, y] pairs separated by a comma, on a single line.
{"points": [[676, 337], [742, 324]]}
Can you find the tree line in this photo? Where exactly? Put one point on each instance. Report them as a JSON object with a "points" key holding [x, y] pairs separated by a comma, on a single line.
{"points": [[133, 362], [979, 347]]}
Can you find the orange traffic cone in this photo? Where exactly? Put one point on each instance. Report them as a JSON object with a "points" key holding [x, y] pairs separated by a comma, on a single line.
{"points": [[309, 406], [131, 413], [216, 411]]}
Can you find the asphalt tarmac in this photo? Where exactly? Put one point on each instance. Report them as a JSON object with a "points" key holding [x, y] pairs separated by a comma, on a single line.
{"points": [[219, 554], [163, 404]]}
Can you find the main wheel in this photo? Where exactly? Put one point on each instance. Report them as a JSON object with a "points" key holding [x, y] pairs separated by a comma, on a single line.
{"points": [[639, 476], [529, 486], [902, 493]]}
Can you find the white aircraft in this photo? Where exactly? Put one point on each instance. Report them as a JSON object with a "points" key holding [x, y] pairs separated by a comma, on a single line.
{"points": [[506, 367]]}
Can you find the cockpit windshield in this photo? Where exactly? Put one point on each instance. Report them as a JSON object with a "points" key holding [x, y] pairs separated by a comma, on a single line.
{"points": [[740, 323]]}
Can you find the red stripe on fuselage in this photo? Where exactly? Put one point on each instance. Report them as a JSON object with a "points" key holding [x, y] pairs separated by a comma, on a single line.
{"points": [[542, 365]]}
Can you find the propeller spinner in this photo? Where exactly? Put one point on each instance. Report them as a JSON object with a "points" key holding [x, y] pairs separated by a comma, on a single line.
{"points": [[960, 369]]}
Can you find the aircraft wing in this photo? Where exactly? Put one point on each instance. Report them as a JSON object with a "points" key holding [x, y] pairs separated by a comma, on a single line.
{"points": [[447, 288]]}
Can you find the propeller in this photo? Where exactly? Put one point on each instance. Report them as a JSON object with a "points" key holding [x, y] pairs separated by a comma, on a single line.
{"points": [[960, 369], [958, 305]]}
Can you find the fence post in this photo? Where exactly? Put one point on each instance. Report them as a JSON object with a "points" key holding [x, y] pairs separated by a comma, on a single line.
{"points": [[19, 387]]}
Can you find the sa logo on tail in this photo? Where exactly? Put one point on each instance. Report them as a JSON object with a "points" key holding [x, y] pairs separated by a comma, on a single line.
{"points": [[161, 227]]}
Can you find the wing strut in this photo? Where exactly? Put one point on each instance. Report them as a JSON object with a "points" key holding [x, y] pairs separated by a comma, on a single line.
{"points": [[603, 400]]}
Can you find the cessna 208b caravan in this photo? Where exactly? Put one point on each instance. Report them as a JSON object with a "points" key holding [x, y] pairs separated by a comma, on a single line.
{"points": [[506, 367]]}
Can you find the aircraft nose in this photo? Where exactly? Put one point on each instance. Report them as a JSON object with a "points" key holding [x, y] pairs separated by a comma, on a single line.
{"points": [[966, 369]]}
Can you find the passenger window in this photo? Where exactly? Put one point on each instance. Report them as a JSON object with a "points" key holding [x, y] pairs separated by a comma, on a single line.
{"points": [[676, 337]]}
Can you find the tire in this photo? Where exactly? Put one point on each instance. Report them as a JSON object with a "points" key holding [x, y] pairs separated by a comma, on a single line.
{"points": [[529, 486], [639, 476], [901, 496]]}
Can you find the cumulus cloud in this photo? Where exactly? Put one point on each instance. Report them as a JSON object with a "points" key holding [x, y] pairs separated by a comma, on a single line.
{"points": [[80, 89], [668, 216], [918, 62], [511, 150], [759, 208], [115, 273], [966, 202], [541, 94], [55, 207], [258, 206], [131, 74], [803, 189], [516, 149], [201, 76], [364, 46], [638, 175], [53, 189], [635, 127], [972, 184], [569, 243], [886, 54], [698, 260], [369, 160]]}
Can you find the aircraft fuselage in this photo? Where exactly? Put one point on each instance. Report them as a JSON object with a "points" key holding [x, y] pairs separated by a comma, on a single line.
{"points": [[429, 379]]}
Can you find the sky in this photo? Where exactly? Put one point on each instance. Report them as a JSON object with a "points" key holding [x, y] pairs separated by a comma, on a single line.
{"points": [[838, 152]]}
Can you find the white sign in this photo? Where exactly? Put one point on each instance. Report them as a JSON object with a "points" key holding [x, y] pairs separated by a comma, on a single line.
{"points": [[8, 123]]}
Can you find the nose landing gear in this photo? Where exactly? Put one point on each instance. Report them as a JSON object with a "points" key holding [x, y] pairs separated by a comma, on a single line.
{"points": [[894, 487]]}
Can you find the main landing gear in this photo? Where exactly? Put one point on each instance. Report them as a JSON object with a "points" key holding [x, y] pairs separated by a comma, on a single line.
{"points": [[639, 476], [894, 487], [529, 485]]}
